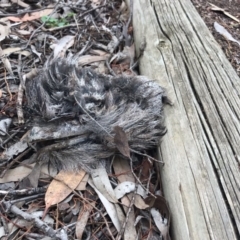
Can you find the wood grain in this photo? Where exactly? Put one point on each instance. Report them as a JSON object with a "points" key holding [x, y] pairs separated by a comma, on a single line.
{"points": [[201, 149]]}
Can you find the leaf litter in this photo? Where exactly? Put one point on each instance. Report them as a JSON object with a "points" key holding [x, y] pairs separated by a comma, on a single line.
{"points": [[99, 199]]}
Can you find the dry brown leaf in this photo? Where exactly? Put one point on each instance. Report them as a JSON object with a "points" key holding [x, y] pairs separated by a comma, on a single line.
{"points": [[121, 141], [31, 16], [146, 167], [82, 185], [61, 186]]}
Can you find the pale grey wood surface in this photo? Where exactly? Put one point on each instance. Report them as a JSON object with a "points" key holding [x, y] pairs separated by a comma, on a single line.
{"points": [[201, 149]]}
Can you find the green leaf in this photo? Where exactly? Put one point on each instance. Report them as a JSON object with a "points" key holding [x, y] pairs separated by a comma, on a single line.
{"points": [[61, 24]]}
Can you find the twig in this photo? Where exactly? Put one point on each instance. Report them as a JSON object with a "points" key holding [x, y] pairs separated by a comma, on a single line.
{"points": [[29, 217], [60, 28], [11, 137], [146, 155], [109, 68], [127, 215], [24, 12], [125, 28], [149, 179], [5, 225], [119, 236], [23, 191], [20, 3], [139, 179], [100, 212], [20, 94], [7, 85], [91, 10], [141, 51], [32, 235], [19, 105]]}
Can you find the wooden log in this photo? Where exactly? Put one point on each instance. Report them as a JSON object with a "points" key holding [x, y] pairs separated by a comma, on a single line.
{"points": [[201, 149]]}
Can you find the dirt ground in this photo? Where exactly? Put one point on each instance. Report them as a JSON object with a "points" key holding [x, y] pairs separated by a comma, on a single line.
{"points": [[209, 15]]}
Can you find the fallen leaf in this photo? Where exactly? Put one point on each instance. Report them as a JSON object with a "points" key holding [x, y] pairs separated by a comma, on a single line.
{"points": [[4, 123], [61, 186], [33, 177], [146, 167], [138, 218], [62, 46], [35, 51], [82, 185], [20, 3], [4, 30], [121, 141], [23, 32], [87, 59], [160, 204], [83, 218], [123, 172], [16, 174], [98, 52], [13, 150], [102, 183], [110, 207], [220, 29], [161, 223], [123, 188], [160, 213], [31, 16], [11, 50], [125, 57]]}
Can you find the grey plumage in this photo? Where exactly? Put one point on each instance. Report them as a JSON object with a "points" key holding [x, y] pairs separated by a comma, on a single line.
{"points": [[62, 91]]}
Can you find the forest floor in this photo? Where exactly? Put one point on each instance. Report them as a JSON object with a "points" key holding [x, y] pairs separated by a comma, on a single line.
{"points": [[103, 33], [227, 14]]}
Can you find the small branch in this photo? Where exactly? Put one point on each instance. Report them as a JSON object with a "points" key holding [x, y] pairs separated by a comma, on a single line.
{"points": [[139, 179], [22, 192], [7, 85], [119, 236], [20, 94], [29, 217]]}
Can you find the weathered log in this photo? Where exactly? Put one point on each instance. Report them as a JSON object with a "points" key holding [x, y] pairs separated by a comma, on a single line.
{"points": [[201, 150]]}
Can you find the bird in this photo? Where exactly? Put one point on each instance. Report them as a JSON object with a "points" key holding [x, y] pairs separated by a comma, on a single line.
{"points": [[63, 91]]}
